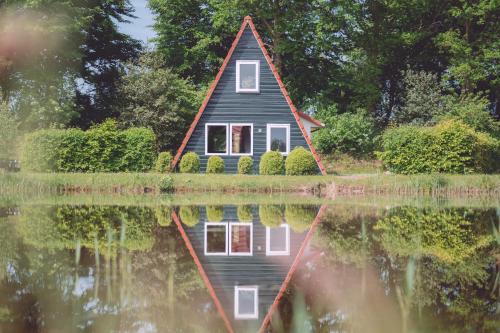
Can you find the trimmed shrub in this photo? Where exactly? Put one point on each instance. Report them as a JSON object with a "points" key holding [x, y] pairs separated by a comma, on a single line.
{"points": [[163, 162], [102, 148], [272, 163], [163, 215], [450, 146], [190, 163], [190, 215], [166, 184], [245, 165], [215, 213], [300, 162], [215, 164], [300, 217], [244, 213], [271, 215]]}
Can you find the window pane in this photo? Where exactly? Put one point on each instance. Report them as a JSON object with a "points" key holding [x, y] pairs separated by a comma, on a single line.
{"points": [[216, 239], [240, 238], [278, 139], [246, 300], [277, 239], [242, 139], [216, 137], [247, 76]]}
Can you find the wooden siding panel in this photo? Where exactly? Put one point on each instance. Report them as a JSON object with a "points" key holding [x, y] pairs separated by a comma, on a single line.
{"points": [[227, 106]]}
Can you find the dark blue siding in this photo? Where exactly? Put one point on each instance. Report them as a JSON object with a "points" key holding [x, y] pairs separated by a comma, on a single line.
{"points": [[227, 106], [225, 272]]}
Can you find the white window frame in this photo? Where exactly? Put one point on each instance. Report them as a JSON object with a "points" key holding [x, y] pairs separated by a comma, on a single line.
{"points": [[268, 136], [206, 139], [225, 239], [231, 224], [255, 314], [257, 76], [286, 252], [231, 139]]}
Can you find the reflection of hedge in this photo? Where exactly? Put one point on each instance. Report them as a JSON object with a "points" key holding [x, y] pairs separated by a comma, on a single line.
{"points": [[271, 215], [111, 226], [215, 213], [300, 217], [190, 215], [244, 213], [445, 234], [163, 216]]}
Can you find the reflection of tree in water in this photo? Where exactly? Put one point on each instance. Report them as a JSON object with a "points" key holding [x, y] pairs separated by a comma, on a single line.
{"points": [[436, 266], [123, 271]]}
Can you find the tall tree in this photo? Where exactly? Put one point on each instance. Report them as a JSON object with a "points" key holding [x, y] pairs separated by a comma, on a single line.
{"points": [[60, 60], [105, 52], [472, 45], [155, 97]]}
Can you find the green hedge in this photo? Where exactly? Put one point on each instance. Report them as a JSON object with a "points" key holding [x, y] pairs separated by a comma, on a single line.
{"points": [[300, 162], [103, 148], [450, 147], [215, 164], [272, 163], [190, 163]]}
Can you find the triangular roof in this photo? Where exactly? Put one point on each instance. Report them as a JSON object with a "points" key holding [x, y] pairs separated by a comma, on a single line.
{"points": [[248, 21]]}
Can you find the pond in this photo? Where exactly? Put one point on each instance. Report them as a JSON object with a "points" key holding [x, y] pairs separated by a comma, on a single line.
{"points": [[268, 264]]}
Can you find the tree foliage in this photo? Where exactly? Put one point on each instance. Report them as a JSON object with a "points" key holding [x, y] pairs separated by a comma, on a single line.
{"points": [[155, 97]]}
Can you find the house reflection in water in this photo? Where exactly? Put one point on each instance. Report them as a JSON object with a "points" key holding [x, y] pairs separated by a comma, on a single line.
{"points": [[244, 254]]}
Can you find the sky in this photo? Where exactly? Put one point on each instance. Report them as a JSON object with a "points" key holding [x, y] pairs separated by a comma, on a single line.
{"points": [[139, 28]]}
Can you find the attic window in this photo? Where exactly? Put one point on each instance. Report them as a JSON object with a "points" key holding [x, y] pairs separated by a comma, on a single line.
{"points": [[247, 76]]}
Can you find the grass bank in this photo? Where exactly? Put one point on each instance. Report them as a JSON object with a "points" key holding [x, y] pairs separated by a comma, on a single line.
{"points": [[325, 186]]}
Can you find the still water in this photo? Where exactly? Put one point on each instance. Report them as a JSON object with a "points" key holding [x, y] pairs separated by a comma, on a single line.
{"points": [[277, 267]]}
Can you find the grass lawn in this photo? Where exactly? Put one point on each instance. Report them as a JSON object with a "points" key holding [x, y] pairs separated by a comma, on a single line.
{"points": [[331, 185]]}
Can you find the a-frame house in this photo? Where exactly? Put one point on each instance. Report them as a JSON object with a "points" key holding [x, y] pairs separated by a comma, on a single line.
{"points": [[247, 110]]}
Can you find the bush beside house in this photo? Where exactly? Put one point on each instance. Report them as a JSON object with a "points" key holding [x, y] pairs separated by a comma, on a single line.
{"points": [[245, 165], [215, 164], [272, 163], [300, 162], [103, 148], [190, 163], [450, 147], [163, 162]]}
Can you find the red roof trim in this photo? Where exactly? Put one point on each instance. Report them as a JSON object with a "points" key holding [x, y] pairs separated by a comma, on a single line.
{"points": [[311, 119], [203, 274], [248, 20], [293, 268], [207, 97]]}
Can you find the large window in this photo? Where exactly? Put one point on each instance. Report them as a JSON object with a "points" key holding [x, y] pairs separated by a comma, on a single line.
{"points": [[215, 239], [241, 139], [216, 139], [237, 242], [278, 138], [247, 76], [241, 239], [246, 302], [278, 241]]}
